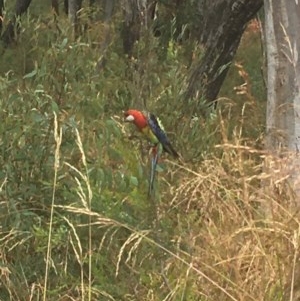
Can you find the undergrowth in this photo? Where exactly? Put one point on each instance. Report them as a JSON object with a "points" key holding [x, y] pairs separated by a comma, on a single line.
{"points": [[76, 222]]}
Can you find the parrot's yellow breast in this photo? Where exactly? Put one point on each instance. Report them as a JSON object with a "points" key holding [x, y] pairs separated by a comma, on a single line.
{"points": [[149, 134]]}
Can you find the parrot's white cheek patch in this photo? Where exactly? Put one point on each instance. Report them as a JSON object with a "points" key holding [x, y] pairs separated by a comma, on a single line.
{"points": [[129, 118]]}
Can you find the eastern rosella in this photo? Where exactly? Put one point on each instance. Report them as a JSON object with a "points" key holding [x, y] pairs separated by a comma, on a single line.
{"points": [[151, 127]]}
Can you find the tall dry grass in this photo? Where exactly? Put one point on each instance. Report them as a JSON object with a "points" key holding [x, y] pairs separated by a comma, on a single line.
{"points": [[234, 232]]}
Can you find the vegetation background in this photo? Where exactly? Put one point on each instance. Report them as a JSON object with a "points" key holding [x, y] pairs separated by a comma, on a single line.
{"points": [[76, 221]]}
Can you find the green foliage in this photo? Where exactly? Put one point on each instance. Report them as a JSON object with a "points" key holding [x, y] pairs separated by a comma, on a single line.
{"points": [[202, 236]]}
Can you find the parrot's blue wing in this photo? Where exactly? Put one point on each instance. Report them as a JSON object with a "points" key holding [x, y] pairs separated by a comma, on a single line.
{"points": [[157, 129]]}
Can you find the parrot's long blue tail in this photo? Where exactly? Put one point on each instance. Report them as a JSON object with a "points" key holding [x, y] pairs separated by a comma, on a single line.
{"points": [[154, 161]]}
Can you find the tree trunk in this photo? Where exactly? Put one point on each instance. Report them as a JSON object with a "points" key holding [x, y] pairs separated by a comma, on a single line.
{"points": [[283, 106], [137, 14], [55, 6], [221, 25], [66, 6], [9, 34], [108, 11], [73, 7], [1, 14], [22, 6]]}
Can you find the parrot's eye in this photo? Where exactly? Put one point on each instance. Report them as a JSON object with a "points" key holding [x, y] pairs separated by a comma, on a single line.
{"points": [[129, 118]]}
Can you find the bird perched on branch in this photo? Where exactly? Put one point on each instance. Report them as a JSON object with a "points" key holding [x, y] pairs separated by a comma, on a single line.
{"points": [[152, 128]]}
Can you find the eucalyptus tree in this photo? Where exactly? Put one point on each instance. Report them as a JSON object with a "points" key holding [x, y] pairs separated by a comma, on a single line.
{"points": [[282, 23], [216, 25], [220, 24]]}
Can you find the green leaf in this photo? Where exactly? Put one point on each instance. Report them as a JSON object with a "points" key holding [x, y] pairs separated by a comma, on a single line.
{"points": [[30, 74], [134, 181], [36, 116], [54, 107], [64, 43], [160, 168]]}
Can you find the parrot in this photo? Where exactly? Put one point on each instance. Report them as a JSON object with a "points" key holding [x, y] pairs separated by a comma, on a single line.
{"points": [[153, 130]]}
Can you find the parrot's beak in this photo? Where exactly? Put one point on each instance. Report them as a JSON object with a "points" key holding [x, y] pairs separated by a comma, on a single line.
{"points": [[129, 118]]}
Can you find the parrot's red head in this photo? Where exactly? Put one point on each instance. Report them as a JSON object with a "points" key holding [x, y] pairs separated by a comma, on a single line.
{"points": [[136, 117]]}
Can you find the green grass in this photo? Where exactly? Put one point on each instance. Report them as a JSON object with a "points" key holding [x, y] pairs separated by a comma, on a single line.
{"points": [[76, 222]]}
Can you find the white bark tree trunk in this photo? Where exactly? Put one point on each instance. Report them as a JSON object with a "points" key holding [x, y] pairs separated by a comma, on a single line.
{"points": [[282, 19]]}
